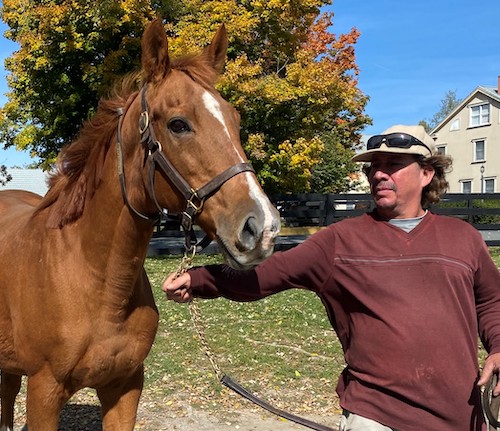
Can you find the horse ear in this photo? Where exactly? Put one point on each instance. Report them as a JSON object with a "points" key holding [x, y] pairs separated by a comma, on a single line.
{"points": [[216, 51], [155, 60]]}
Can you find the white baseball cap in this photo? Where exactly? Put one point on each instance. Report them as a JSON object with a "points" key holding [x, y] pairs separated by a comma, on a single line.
{"points": [[399, 140]]}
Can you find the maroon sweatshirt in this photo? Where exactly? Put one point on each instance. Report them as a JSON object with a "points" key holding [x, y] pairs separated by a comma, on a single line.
{"points": [[407, 308]]}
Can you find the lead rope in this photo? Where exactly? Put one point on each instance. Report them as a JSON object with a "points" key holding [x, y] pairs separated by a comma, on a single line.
{"points": [[491, 404], [194, 311], [196, 318]]}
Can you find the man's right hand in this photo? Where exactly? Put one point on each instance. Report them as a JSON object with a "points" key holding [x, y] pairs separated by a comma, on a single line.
{"points": [[178, 289]]}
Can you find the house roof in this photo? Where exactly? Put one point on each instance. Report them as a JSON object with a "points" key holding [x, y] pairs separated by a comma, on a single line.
{"points": [[33, 180], [491, 92]]}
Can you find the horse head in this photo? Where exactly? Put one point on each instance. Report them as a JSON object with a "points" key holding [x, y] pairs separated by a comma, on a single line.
{"points": [[191, 159]]}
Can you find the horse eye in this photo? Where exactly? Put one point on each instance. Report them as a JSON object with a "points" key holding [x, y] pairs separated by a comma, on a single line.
{"points": [[178, 125]]}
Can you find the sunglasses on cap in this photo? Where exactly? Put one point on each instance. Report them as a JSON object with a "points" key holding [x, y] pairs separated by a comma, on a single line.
{"points": [[394, 140]]}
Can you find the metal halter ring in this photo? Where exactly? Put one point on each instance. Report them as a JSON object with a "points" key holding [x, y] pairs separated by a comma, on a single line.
{"points": [[143, 122], [153, 149]]}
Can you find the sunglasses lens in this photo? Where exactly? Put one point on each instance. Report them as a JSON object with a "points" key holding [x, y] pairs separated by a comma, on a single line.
{"points": [[400, 141], [396, 141], [374, 142]]}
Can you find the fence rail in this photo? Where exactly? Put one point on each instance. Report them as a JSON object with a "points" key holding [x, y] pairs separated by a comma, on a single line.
{"points": [[482, 210]]}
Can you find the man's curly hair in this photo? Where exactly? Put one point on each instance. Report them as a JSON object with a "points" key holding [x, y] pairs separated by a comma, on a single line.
{"points": [[431, 194]]}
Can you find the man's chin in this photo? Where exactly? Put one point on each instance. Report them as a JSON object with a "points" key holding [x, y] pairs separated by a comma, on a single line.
{"points": [[383, 201], [385, 208]]}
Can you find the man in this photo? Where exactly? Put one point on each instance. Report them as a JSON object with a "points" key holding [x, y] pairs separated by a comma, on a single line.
{"points": [[406, 291]]}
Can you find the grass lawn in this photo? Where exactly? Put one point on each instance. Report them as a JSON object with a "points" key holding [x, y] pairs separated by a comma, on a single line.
{"points": [[283, 348], [495, 254]]}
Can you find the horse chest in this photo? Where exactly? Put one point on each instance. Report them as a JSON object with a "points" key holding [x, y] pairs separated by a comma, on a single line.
{"points": [[113, 357]]}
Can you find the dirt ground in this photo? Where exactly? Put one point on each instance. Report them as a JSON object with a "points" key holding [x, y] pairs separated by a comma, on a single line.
{"points": [[241, 421], [83, 414]]}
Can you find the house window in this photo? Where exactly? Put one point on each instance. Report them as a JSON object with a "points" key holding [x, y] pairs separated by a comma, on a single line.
{"points": [[489, 185], [441, 149], [479, 115], [479, 150], [455, 124], [466, 186]]}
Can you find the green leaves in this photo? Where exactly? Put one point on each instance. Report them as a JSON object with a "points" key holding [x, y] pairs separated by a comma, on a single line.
{"points": [[70, 53]]}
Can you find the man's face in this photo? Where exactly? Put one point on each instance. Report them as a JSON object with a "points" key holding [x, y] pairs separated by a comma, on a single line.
{"points": [[396, 183]]}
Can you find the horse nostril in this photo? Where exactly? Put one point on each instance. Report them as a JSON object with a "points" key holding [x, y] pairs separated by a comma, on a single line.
{"points": [[249, 235]]}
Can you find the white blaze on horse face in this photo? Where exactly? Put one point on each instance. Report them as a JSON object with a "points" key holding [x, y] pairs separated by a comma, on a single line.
{"points": [[213, 107], [256, 192]]}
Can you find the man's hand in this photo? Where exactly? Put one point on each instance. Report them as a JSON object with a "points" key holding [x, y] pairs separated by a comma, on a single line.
{"points": [[491, 366], [178, 289]]}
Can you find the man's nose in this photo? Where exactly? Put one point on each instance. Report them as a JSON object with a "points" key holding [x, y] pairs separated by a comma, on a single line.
{"points": [[380, 173]]}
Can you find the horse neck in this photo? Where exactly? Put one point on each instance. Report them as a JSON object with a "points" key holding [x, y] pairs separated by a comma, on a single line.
{"points": [[113, 237], [115, 245]]}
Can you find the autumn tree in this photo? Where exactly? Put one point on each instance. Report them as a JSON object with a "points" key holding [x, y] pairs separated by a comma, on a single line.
{"points": [[70, 53], [292, 80], [295, 85]]}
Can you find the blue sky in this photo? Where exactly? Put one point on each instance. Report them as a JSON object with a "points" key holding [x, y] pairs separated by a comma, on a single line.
{"points": [[410, 54]]}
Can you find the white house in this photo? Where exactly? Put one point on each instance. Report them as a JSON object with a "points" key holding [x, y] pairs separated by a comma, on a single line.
{"points": [[470, 134]]}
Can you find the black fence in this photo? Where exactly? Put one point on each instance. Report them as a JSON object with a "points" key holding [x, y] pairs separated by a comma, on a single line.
{"points": [[482, 210]]}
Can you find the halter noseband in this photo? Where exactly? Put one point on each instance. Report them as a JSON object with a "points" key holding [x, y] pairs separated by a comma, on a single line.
{"points": [[155, 159]]}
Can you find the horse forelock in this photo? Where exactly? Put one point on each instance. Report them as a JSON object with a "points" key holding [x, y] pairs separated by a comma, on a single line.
{"points": [[79, 166], [198, 68]]}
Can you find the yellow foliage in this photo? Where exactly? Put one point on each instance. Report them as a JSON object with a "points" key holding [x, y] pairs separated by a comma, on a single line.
{"points": [[241, 68], [296, 161], [291, 79], [255, 146], [198, 26]]}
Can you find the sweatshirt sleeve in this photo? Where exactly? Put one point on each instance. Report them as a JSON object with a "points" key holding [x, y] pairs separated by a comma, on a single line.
{"points": [[487, 293], [306, 266]]}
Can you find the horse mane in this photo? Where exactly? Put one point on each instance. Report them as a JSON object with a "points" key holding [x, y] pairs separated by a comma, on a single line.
{"points": [[79, 167]]}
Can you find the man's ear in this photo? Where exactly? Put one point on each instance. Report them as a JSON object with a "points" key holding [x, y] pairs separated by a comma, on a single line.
{"points": [[428, 174]]}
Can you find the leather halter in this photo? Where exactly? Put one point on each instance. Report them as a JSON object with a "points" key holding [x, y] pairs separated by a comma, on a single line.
{"points": [[156, 160]]}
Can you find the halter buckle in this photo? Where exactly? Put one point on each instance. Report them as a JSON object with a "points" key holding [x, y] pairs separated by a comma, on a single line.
{"points": [[190, 204]]}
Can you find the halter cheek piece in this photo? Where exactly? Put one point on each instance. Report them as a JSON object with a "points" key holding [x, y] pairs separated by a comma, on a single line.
{"points": [[156, 160]]}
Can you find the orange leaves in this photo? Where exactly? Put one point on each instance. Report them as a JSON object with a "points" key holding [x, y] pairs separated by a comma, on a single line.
{"points": [[295, 83], [319, 38], [344, 50]]}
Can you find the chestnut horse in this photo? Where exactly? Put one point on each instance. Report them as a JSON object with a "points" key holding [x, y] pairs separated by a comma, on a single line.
{"points": [[76, 307]]}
